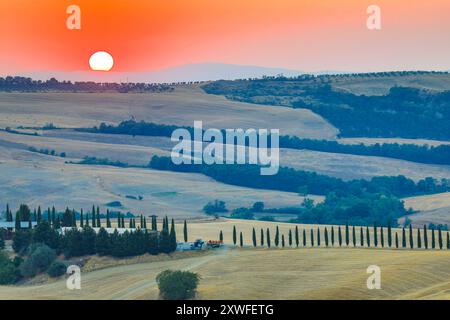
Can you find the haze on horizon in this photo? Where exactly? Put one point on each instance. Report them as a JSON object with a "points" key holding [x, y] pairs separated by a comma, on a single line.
{"points": [[299, 35]]}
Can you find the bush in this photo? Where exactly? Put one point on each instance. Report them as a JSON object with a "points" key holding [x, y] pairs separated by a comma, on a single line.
{"points": [[8, 272], [39, 259], [177, 285], [57, 269]]}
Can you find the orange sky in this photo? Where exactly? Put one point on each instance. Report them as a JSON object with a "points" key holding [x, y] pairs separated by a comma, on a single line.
{"points": [[309, 35]]}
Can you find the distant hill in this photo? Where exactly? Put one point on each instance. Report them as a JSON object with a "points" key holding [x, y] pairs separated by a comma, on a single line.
{"points": [[184, 73]]}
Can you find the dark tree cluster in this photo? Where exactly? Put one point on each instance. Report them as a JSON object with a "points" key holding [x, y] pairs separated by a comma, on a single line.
{"points": [[23, 84]]}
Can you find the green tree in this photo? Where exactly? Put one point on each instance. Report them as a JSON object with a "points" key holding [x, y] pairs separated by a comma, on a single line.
{"points": [[448, 242], [304, 237], [277, 237], [419, 239], [311, 233], [340, 236], [354, 236], [433, 238], [102, 243], [108, 219], [173, 237], [290, 238], [254, 237], [234, 235], [185, 231], [81, 218], [262, 238], [268, 237], [241, 239], [67, 218], [221, 236], [318, 236], [326, 236], [396, 240], [389, 234], [425, 237], [177, 285], [332, 236], [8, 271], [282, 240], [39, 215], [368, 237], [440, 238], [361, 236], [99, 223], [347, 234], [382, 236], [375, 235], [297, 239], [403, 238], [93, 217], [411, 240]]}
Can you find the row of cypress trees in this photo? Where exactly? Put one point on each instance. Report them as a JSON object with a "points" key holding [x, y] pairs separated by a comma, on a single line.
{"points": [[347, 237]]}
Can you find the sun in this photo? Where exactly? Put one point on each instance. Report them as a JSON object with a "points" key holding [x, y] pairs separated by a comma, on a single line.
{"points": [[101, 61]]}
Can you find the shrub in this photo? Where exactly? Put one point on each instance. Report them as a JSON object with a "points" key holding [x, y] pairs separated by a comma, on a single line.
{"points": [[8, 271], [57, 269], [177, 285], [39, 259]]}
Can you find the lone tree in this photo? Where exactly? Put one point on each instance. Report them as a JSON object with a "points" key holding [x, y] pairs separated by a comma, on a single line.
{"points": [[332, 236], [361, 236], [347, 234], [375, 235], [254, 237], [403, 238], [177, 285], [221, 236], [277, 236], [419, 239], [433, 238], [185, 231], [389, 234], [425, 237], [411, 240], [234, 235]]}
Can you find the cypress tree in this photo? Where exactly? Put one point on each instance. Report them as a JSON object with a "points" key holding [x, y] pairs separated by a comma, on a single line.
{"points": [[99, 224], [154, 223], [58, 222], [87, 220], [396, 240], [425, 237], [262, 237], [254, 237], [382, 236], [368, 237], [277, 237], [268, 237], [34, 215], [81, 218], [49, 219], [304, 237], [185, 231], [354, 236], [145, 223], [312, 237], [172, 236], [141, 222], [282, 240], [347, 234], [39, 215], [234, 235], [361, 236], [440, 237], [340, 236], [221, 236], [119, 221], [389, 234], [130, 223], [297, 238], [326, 236], [241, 239], [30, 225], [93, 217], [318, 236], [17, 221], [74, 218], [123, 222], [108, 219], [53, 216], [375, 235], [433, 239], [332, 236], [7, 212], [448, 242], [290, 238], [403, 238], [419, 239], [411, 240]]}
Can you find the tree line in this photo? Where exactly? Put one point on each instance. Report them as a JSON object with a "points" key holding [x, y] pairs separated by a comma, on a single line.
{"points": [[347, 236]]}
